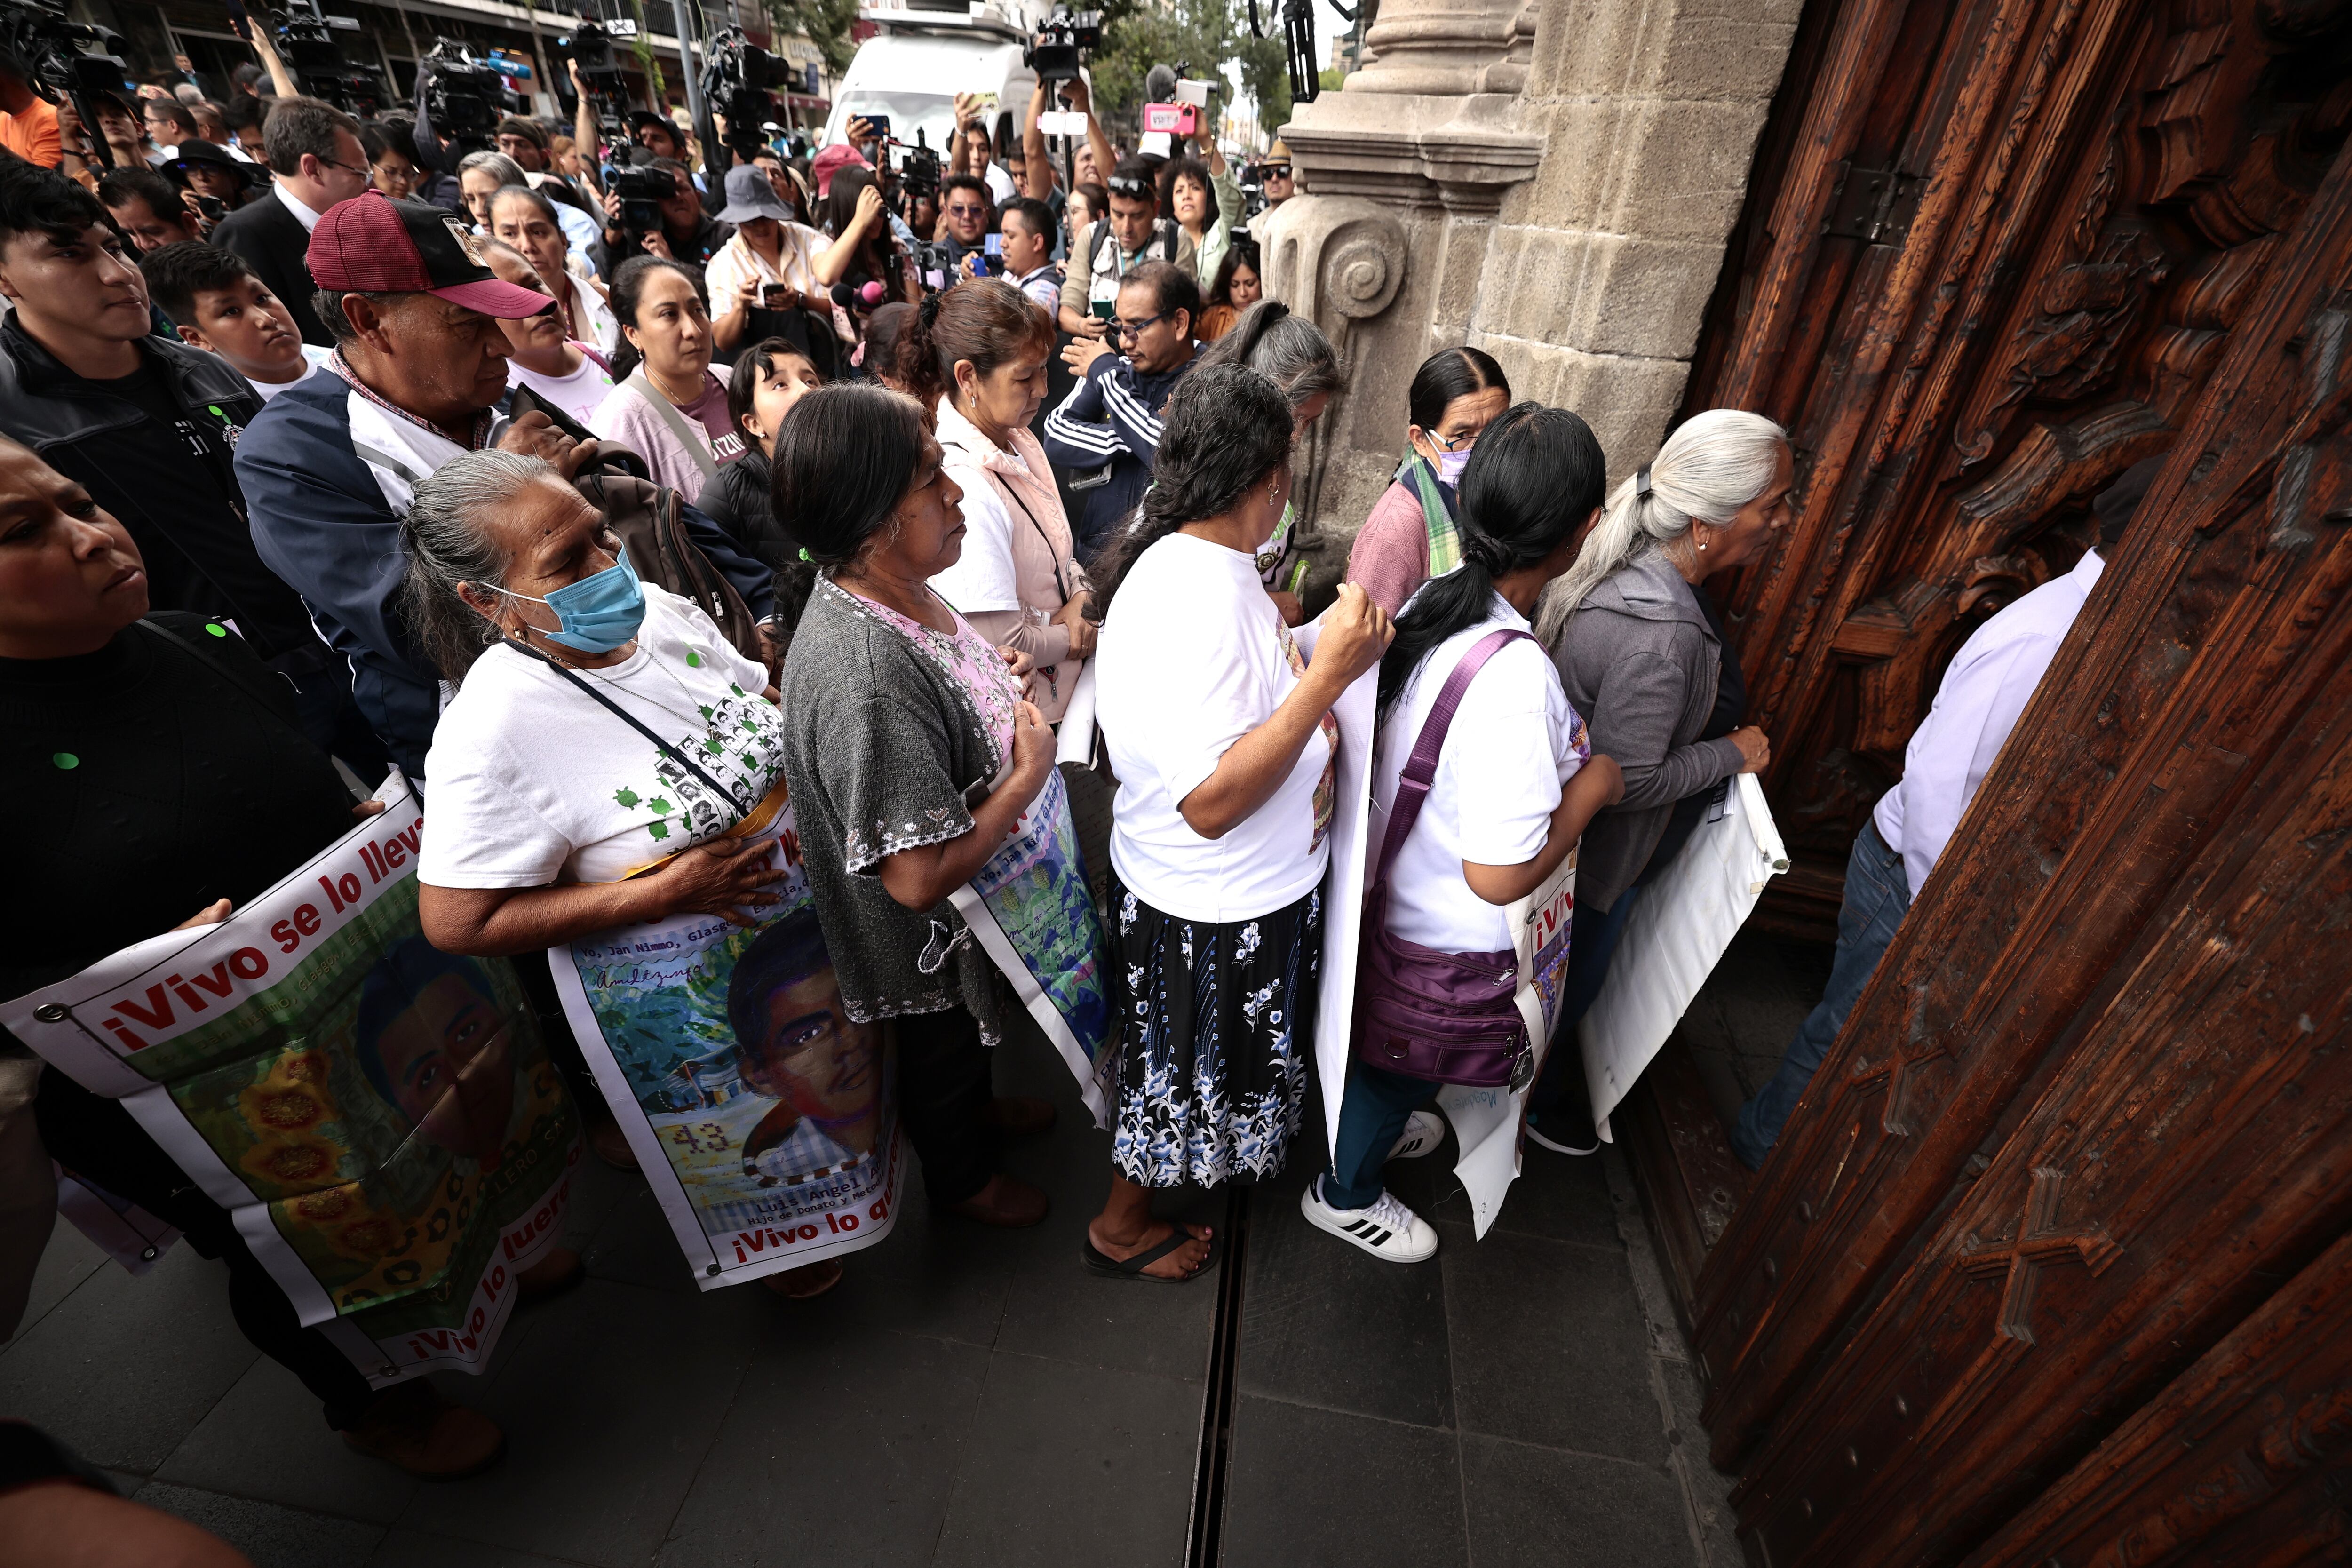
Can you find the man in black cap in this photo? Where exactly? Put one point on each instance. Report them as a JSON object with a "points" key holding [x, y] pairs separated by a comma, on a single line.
{"points": [[329, 466]]}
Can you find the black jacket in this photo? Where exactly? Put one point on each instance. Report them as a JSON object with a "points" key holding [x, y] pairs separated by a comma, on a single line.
{"points": [[193, 535], [736, 498], [273, 241]]}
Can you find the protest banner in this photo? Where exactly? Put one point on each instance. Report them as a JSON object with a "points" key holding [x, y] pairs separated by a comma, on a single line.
{"points": [[1487, 1122], [1680, 924], [1032, 912], [1344, 883], [378, 1117], [763, 1117]]}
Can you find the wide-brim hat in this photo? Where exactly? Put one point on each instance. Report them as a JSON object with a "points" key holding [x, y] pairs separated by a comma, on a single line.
{"points": [[197, 153], [373, 245], [750, 195]]}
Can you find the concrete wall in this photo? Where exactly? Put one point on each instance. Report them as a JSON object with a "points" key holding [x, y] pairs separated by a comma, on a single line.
{"points": [[1553, 183]]}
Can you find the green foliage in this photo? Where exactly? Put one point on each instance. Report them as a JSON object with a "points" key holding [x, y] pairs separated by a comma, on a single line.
{"points": [[1196, 36], [825, 23], [1331, 76]]}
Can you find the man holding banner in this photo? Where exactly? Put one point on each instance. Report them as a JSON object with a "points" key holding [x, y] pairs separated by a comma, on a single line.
{"points": [[244, 1030]]}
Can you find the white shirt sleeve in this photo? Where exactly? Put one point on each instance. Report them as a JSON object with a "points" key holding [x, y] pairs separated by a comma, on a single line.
{"points": [[1501, 758], [480, 833], [1978, 706], [982, 580]]}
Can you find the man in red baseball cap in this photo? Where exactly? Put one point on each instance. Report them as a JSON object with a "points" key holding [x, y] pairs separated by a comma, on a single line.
{"points": [[415, 309], [330, 465]]}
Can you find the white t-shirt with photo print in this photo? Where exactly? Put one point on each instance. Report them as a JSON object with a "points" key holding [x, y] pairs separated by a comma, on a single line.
{"points": [[531, 782]]}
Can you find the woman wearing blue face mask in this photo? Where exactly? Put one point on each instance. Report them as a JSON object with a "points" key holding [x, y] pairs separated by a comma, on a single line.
{"points": [[603, 740], [1410, 536]]}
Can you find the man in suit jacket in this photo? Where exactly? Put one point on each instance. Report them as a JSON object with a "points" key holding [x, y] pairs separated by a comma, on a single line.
{"points": [[314, 148]]}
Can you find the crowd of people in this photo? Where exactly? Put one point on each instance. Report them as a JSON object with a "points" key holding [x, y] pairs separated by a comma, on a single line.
{"points": [[504, 478]]}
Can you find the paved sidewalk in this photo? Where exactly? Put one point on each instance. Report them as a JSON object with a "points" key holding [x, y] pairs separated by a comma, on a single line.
{"points": [[964, 1397]]}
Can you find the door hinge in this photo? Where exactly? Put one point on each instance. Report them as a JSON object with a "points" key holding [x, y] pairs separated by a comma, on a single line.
{"points": [[1874, 205]]}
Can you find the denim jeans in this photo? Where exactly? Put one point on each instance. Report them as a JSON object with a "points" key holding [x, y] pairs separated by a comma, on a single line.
{"points": [[1877, 895], [1373, 1111]]}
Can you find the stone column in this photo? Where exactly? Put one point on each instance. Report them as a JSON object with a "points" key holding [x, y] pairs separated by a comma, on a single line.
{"points": [[1551, 182]]}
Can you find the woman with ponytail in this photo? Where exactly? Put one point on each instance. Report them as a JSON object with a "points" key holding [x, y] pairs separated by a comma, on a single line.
{"points": [[1223, 741], [1410, 536], [1643, 656], [977, 355], [1513, 786]]}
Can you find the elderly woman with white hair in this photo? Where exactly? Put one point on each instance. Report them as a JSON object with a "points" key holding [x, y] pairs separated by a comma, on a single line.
{"points": [[1293, 352], [1642, 654]]}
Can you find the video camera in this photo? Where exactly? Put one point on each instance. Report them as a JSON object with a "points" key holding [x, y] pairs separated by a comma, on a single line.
{"points": [[307, 41], [61, 59], [467, 96], [935, 265], [642, 189], [590, 47], [1058, 49], [918, 169], [740, 83]]}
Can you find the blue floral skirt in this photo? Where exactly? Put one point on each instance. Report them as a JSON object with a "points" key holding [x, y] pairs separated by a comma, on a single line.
{"points": [[1218, 1039]]}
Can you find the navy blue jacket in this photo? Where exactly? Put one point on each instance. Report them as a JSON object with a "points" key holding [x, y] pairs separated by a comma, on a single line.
{"points": [[320, 523]]}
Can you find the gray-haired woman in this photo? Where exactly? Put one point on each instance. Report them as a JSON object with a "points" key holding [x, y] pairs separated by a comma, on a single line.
{"points": [[553, 817], [1642, 654], [1291, 352]]}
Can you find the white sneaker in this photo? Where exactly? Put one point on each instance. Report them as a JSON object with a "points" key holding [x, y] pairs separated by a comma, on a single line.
{"points": [[1387, 1229], [1422, 1133]]}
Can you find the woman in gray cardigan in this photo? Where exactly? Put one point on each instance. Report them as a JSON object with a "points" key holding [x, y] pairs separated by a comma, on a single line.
{"points": [[1643, 660], [910, 755]]}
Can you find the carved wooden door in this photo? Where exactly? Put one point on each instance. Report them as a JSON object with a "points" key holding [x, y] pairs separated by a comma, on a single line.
{"points": [[1993, 251], [2048, 1267]]}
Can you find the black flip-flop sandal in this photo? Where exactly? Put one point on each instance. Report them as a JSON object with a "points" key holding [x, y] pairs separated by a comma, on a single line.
{"points": [[1105, 1267]]}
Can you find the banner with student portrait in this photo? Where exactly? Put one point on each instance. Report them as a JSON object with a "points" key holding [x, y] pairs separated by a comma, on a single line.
{"points": [[1032, 912], [762, 1116], [378, 1117]]}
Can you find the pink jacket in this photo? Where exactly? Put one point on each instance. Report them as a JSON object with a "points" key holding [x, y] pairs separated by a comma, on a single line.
{"points": [[1390, 556]]}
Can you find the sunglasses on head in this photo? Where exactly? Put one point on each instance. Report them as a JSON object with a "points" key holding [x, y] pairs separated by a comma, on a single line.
{"points": [[1138, 189]]}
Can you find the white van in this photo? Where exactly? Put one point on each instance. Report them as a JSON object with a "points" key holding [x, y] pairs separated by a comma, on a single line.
{"points": [[924, 53]]}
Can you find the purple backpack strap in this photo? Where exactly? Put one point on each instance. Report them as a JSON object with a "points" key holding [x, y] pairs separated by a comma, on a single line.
{"points": [[1421, 768]]}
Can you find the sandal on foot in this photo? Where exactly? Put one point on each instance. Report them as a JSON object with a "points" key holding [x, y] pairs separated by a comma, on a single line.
{"points": [[1104, 1266]]}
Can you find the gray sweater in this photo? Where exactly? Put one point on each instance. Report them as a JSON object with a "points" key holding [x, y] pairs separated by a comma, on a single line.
{"points": [[1641, 664], [881, 748]]}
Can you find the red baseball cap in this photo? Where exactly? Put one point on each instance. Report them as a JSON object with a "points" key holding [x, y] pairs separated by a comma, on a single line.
{"points": [[373, 245]]}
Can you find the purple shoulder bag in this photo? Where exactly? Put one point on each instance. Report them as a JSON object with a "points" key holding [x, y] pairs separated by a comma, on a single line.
{"points": [[1449, 1017]]}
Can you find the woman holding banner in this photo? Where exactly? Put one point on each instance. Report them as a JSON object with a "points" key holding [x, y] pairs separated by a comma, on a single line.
{"points": [[1225, 749], [1503, 782], [180, 789], [553, 818], [913, 758], [1643, 658]]}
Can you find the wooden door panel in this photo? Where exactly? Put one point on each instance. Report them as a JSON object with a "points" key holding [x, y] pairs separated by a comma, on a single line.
{"points": [[2243, 1459], [2183, 686], [2182, 1164]]}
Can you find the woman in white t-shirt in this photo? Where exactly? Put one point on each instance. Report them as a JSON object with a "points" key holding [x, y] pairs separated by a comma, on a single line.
{"points": [[572, 375], [1223, 741], [1515, 783], [552, 816]]}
